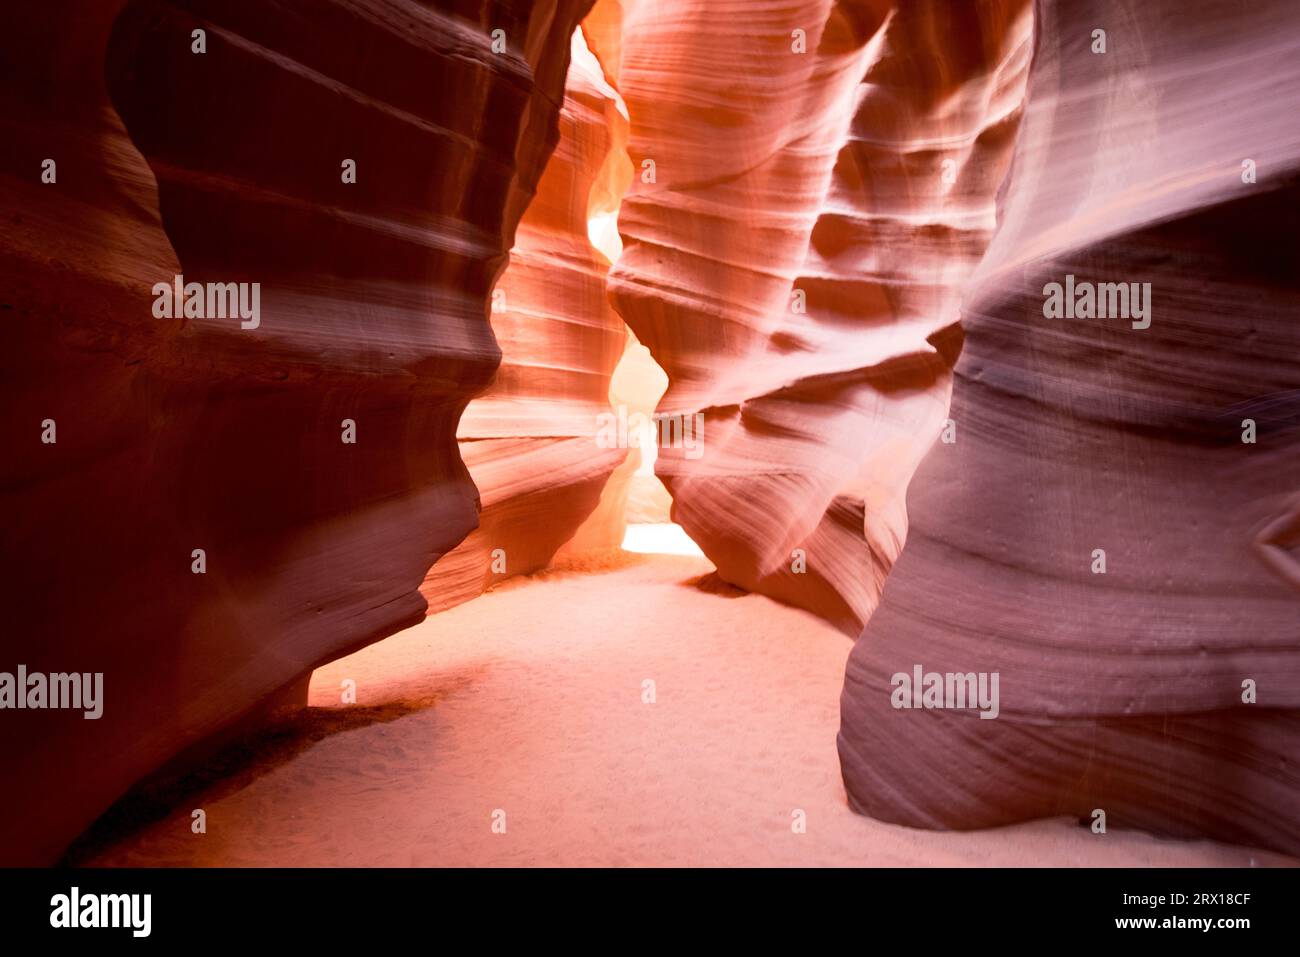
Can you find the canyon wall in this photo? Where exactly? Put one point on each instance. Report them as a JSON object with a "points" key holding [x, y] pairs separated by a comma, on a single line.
{"points": [[814, 182], [185, 513], [530, 440], [1114, 530], [205, 509]]}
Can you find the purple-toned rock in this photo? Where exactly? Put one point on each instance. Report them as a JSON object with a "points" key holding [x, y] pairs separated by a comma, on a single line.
{"points": [[1113, 532]]}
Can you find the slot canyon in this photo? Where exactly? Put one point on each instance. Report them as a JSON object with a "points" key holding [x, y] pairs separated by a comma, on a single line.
{"points": [[641, 436]]}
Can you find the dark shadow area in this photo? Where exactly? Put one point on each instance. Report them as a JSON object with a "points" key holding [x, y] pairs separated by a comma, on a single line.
{"points": [[713, 584], [231, 769]]}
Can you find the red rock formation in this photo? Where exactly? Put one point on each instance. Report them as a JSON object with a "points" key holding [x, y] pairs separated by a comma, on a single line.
{"points": [[1125, 691], [199, 434], [816, 180], [815, 184], [530, 440]]}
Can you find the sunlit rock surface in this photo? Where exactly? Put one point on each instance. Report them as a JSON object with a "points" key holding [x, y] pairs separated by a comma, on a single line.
{"points": [[175, 435], [1125, 691], [814, 182], [530, 440]]}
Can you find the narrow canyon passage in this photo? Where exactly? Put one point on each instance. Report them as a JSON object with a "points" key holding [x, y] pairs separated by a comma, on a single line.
{"points": [[532, 700], [638, 401]]}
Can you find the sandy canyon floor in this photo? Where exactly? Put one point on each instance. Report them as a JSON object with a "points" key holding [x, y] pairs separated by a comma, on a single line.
{"points": [[530, 701]]}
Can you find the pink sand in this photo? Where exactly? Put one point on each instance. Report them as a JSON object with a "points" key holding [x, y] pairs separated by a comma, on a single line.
{"points": [[529, 700]]}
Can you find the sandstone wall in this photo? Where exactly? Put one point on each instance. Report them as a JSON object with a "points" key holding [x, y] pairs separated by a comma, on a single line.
{"points": [[1124, 691], [179, 435]]}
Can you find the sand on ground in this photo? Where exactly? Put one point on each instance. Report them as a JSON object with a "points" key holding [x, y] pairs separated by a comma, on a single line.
{"points": [[532, 700]]}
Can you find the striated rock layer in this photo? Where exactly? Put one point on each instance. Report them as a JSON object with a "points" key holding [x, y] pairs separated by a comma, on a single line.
{"points": [[1125, 687], [181, 435], [530, 440], [815, 181]]}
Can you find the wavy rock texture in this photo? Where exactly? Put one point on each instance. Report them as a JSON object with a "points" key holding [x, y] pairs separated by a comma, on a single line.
{"points": [[530, 440], [795, 264], [174, 436], [1120, 691]]}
